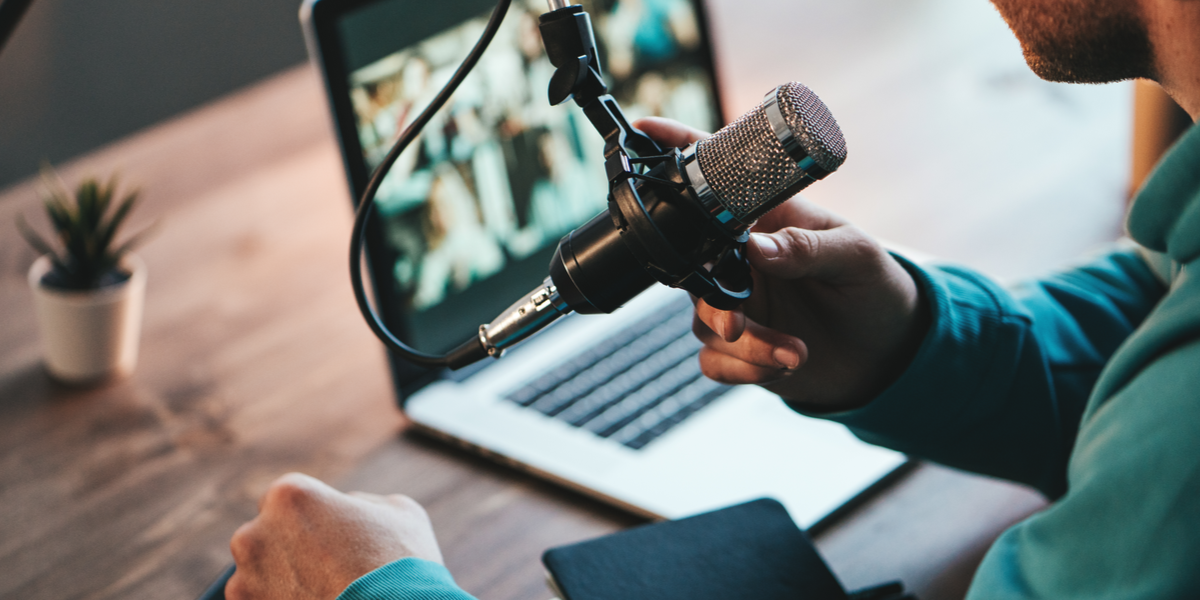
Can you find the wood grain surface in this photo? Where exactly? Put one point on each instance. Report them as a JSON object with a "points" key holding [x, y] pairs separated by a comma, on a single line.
{"points": [[255, 361]]}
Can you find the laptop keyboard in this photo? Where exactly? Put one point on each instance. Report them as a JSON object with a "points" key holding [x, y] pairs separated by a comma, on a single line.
{"points": [[632, 387]]}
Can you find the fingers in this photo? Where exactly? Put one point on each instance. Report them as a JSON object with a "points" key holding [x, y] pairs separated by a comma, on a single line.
{"points": [[730, 370], [289, 486], [799, 212], [406, 503], [235, 587], [294, 494], [245, 543], [757, 355], [368, 496], [839, 254], [666, 132], [246, 546], [728, 325], [399, 501], [801, 239]]}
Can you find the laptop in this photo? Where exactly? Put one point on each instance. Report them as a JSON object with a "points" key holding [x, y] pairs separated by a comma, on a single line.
{"points": [[614, 405]]}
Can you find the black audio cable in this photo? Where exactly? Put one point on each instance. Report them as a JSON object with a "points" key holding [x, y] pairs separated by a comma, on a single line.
{"points": [[473, 349]]}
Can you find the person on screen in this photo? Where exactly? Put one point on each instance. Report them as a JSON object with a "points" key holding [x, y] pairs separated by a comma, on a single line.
{"points": [[1083, 384], [460, 249]]}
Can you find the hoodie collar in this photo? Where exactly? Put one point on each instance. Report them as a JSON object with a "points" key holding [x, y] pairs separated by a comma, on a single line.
{"points": [[1166, 213]]}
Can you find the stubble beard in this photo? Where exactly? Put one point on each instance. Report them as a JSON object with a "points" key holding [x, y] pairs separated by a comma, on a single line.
{"points": [[1081, 41]]}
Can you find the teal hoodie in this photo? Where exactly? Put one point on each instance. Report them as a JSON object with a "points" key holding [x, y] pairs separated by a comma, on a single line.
{"points": [[1084, 385]]}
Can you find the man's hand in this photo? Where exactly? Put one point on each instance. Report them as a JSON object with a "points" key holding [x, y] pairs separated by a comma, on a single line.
{"points": [[311, 541], [833, 320]]}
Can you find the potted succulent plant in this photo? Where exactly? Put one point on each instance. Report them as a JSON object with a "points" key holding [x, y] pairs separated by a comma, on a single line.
{"points": [[88, 289]]}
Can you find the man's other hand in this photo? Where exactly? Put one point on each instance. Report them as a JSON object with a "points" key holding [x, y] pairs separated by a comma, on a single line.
{"points": [[311, 541], [833, 319]]}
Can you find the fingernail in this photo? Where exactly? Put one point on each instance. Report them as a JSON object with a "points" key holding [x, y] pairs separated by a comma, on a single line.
{"points": [[726, 326], [786, 357], [766, 245]]}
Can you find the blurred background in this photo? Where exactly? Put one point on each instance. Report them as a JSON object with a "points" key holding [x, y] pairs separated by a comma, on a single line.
{"points": [[79, 73], [253, 348], [956, 149]]}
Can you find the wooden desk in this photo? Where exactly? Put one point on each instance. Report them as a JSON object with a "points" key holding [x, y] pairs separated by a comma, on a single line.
{"points": [[255, 361]]}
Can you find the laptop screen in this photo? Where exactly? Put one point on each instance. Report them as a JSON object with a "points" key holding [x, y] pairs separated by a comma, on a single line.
{"points": [[470, 214]]}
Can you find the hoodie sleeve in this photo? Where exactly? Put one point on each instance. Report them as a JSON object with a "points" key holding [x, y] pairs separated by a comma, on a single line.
{"points": [[406, 579], [1129, 528], [1001, 380]]}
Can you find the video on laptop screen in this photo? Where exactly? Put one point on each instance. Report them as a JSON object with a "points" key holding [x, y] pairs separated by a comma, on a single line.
{"points": [[474, 209]]}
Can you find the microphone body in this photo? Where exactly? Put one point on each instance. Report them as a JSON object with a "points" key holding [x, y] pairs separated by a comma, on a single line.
{"points": [[720, 186], [684, 222]]}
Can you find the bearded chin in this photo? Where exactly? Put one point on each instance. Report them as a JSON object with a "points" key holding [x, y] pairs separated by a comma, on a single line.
{"points": [[1081, 41], [1126, 55]]}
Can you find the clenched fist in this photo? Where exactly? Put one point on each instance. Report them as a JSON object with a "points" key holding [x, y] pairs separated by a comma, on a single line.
{"points": [[310, 541]]}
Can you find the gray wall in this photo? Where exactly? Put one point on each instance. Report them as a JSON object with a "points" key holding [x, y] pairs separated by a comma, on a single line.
{"points": [[80, 73]]}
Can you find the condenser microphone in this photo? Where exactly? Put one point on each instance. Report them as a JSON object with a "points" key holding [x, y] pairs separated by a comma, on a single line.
{"points": [[765, 157], [684, 221]]}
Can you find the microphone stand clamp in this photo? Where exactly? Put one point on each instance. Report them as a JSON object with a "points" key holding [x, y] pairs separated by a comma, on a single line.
{"points": [[571, 47]]}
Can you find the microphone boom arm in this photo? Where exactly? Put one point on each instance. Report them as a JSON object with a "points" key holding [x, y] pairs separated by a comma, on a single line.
{"points": [[624, 246], [571, 47], [650, 232]]}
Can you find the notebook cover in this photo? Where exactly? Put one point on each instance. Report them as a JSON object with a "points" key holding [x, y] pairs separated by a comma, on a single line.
{"points": [[749, 551]]}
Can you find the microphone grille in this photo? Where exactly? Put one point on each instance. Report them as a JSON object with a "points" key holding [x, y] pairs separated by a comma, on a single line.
{"points": [[812, 123], [749, 169]]}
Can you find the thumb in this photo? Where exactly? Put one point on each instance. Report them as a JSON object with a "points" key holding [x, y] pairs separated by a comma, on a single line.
{"points": [[830, 254], [669, 133]]}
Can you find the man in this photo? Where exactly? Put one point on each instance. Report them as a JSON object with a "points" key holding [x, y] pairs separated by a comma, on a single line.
{"points": [[1083, 385]]}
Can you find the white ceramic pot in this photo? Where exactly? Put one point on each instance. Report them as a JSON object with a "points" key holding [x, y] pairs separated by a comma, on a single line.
{"points": [[89, 336]]}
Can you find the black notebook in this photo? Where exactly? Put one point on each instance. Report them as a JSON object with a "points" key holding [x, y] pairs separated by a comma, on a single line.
{"points": [[751, 551]]}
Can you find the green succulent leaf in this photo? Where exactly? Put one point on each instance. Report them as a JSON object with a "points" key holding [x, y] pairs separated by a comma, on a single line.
{"points": [[86, 225], [34, 238], [108, 231], [135, 240]]}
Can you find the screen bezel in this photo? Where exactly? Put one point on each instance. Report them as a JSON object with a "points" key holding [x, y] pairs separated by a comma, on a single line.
{"points": [[320, 19]]}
